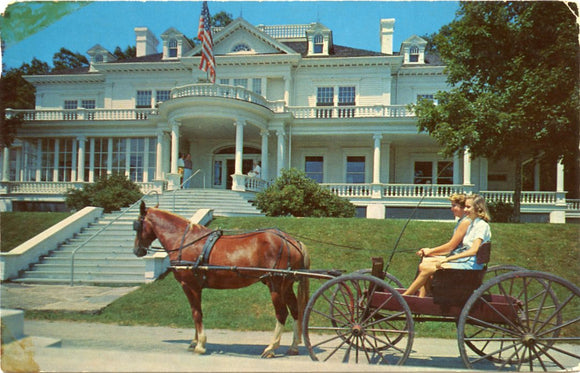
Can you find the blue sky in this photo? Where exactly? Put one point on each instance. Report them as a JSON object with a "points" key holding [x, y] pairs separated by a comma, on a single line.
{"points": [[111, 23]]}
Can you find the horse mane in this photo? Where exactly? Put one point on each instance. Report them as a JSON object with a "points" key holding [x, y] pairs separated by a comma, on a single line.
{"points": [[171, 217]]}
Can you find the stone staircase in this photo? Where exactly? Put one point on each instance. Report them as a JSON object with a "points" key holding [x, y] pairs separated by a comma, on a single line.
{"points": [[108, 259]]}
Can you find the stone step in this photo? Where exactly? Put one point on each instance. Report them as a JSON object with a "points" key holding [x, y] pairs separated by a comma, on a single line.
{"points": [[79, 281], [89, 267], [84, 275]]}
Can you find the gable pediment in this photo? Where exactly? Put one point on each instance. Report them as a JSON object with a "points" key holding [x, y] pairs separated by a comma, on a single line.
{"points": [[240, 37]]}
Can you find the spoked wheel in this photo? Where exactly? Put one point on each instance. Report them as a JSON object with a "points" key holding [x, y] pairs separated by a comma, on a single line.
{"points": [[358, 319], [387, 277], [500, 269], [522, 320]]}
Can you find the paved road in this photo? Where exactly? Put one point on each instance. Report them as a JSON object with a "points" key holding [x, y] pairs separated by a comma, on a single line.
{"points": [[94, 347]]}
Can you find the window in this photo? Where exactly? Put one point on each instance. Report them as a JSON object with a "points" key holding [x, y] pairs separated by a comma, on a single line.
{"points": [[318, 43], [119, 159], [414, 54], [30, 160], [324, 97], [314, 167], [89, 104], [70, 105], [429, 97], [346, 97], [257, 85], [151, 154], [48, 151], [136, 159], [172, 52], [225, 81], [143, 99], [241, 83], [101, 156], [355, 169], [99, 58], [427, 172], [241, 48], [162, 96], [65, 153]]}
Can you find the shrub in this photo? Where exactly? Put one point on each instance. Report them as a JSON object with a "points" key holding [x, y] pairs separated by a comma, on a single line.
{"points": [[501, 212], [110, 192], [293, 193]]}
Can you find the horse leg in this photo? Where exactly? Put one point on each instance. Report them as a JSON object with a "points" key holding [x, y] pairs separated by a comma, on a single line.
{"points": [[281, 315], [292, 304], [194, 298]]}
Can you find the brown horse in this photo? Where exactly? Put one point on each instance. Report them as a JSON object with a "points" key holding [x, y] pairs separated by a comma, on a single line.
{"points": [[264, 249]]}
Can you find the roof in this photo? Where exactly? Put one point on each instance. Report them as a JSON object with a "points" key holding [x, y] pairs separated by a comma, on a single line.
{"points": [[337, 50]]}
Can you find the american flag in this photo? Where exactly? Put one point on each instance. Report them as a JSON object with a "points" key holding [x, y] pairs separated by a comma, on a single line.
{"points": [[207, 62]]}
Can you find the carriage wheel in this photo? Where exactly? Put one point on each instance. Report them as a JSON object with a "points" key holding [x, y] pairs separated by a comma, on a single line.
{"points": [[522, 320], [341, 324], [500, 269], [387, 277]]}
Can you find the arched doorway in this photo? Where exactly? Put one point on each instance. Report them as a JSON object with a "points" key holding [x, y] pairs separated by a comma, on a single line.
{"points": [[224, 164]]}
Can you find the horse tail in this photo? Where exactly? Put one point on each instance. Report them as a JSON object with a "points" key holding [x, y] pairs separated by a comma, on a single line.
{"points": [[303, 288]]}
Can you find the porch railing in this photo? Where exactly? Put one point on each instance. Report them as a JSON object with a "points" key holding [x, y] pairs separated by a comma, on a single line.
{"points": [[83, 114], [61, 187], [395, 190]]}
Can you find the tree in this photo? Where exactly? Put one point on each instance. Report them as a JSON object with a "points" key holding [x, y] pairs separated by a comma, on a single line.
{"points": [[17, 93], [293, 193], [221, 19], [64, 60], [513, 71], [129, 52]]}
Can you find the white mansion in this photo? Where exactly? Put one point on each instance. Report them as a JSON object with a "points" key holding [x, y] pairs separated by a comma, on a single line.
{"points": [[287, 96]]}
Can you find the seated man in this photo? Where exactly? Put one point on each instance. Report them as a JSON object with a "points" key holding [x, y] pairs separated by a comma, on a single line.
{"points": [[464, 256]]}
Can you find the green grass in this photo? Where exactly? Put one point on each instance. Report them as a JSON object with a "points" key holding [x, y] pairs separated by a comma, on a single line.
{"points": [[18, 227], [551, 248]]}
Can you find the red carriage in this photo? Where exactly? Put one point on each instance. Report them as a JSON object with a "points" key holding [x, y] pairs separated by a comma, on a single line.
{"points": [[507, 318]]}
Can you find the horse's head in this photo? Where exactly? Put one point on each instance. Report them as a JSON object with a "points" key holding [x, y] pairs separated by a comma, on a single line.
{"points": [[145, 233]]}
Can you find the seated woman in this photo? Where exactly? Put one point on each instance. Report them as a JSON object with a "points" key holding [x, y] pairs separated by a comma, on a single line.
{"points": [[432, 256], [477, 234]]}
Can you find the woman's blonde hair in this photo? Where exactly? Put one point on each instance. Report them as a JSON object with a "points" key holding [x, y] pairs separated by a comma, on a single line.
{"points": [[458, 198], [480, 206]]}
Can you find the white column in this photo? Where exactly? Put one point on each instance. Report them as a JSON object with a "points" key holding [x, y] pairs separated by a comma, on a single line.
{"points": [[174, 145], [281, 150], [239, 123], [456, 169], [5, 164], [81, 158], [560, 176], [110, 157], [145, 159], [377, 159], [39, 160], [128, 159], [159, 156], [265, 134], [466, 167], [73, 164], [287, 81], [56, 156], [92, 160]]}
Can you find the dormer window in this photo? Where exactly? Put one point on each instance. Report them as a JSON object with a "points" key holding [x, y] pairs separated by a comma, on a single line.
{"points": [[414, 54], [241, 47], [99, 58], [318, 43], [172, 48]]}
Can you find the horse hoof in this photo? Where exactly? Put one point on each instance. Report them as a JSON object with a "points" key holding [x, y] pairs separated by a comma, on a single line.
{"points": [[268, 354], [199, 350], [292, 352]]}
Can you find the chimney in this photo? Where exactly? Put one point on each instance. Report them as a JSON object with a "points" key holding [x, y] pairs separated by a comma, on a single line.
{"points": [[146, 42], [387, 28]]}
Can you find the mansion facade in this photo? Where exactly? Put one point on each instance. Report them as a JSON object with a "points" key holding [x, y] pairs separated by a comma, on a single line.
{"points": [[286, 96]]}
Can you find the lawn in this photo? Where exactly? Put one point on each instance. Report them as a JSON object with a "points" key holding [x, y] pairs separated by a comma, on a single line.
{"points": [[17, 227], [546, 247]]}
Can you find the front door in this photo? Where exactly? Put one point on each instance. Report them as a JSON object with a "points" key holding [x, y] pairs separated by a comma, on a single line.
{"points": [[224, 166]]}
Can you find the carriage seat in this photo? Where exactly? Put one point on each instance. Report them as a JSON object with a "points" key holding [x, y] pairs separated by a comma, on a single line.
{"points": [[454, 286]]}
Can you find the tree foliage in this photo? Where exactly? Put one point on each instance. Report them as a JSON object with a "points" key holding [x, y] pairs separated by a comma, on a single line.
{"points": [[111, 193], [513, 70], [127, 53], [293, 193], [65, 59]]}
